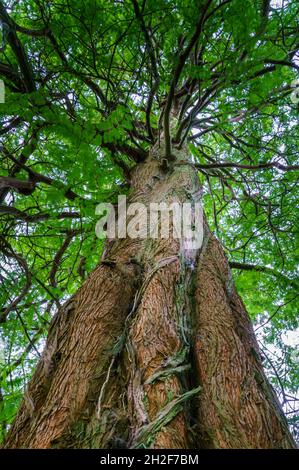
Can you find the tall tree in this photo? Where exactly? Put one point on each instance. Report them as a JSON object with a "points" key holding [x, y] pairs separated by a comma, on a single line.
{"points": [[164, 101]]}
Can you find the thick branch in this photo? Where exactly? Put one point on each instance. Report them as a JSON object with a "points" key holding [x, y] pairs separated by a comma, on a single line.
{"points": [[181, 62], [22, 215], [18, 49], [13, 183], [151, 51]]}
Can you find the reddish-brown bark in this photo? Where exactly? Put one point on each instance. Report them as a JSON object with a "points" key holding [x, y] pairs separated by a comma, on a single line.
{"points": [[125, 356], [237, 407]]}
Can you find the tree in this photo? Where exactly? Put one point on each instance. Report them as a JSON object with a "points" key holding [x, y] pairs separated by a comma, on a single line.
{"points": [[162, 101]]}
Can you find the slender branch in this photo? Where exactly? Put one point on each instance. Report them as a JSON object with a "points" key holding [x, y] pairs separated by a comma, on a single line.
{"points": [[18, 49], [22, 262], [275, 312], [58, 257], [11, 367], [12, 75], [260, 166], [263, 269], [27, 151]]}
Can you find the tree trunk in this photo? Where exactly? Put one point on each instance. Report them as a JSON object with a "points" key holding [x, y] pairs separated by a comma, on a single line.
{"points": [[155, 350]]}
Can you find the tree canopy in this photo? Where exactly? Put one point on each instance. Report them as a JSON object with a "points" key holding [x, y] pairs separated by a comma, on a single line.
{"points": [[88, 88]]}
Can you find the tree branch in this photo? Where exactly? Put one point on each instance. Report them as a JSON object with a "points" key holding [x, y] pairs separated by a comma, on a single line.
{"points": [[22, 215], [181, 62], [260, 166], [22, 262], [263, 269], [151, 51], [18, 49]]}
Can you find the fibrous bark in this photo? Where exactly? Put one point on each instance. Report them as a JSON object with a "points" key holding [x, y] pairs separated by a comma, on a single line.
{"points": [[155, 350], [237, 407]]}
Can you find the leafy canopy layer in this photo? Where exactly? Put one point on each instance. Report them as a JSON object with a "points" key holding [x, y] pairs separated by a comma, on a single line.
{"points": [[88, 88]]}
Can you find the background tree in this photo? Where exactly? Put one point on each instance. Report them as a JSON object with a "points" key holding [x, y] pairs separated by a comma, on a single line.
{"points": [[160, 100]]}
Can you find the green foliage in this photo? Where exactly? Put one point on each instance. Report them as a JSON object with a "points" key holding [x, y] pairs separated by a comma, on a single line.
{"points": [[77, 93]]}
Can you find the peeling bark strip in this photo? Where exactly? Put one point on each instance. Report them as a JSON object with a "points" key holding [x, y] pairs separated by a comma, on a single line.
{"points": [[152, 351]]}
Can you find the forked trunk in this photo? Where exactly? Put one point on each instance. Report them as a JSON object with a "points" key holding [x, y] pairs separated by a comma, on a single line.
{"points": [[155, 349]]}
